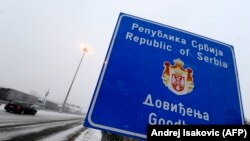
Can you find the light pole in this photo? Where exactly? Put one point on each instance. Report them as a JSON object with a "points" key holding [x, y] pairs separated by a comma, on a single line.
{"points": [[44, 99], [84, 50]]}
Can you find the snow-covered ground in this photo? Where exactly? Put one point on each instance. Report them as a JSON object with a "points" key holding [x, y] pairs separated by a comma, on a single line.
{"points": [[60, 120], [90, 135], [87, 135]]}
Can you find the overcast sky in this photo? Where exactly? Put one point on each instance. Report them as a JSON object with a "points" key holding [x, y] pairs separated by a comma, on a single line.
{"points": [[40, 40]]}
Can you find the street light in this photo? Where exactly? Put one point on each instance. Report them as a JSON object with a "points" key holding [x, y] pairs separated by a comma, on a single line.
{"points": [[44, 99], [85, 49]]}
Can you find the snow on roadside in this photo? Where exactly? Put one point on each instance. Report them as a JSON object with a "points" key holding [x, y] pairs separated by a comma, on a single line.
{"points": [[90, 135], [87, 135], [62, 135], [4, 135], [53, 113]]}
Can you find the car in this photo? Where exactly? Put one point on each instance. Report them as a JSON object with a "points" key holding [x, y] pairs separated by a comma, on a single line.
{"points": [[21, 107]]}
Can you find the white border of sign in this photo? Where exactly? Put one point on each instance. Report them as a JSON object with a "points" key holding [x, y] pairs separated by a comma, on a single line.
{"points": [[105, 66]]}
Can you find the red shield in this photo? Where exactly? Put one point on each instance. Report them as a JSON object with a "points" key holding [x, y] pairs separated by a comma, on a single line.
{"points": [[178, 82]]}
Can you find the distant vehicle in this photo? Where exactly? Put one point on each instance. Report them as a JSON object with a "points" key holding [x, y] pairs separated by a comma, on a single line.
{"points": [[21, 108]]}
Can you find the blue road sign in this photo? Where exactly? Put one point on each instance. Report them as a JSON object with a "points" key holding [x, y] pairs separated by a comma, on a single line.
{"points": [[157, 74]]}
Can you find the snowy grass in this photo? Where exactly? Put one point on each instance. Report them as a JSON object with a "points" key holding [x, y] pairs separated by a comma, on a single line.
{"points": [[90, 135]]}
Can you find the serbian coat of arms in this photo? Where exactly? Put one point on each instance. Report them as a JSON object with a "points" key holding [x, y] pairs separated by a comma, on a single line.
{"points": [[177, 79]]}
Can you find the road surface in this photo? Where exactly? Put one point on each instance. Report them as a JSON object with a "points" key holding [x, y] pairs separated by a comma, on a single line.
{"points": [[45, 126]]}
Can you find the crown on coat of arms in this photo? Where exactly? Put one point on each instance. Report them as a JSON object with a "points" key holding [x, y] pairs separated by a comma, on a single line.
{"points": [[176, 78]]}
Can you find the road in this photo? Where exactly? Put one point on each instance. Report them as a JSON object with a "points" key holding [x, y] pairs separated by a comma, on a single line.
{"points": [[45, 126]]}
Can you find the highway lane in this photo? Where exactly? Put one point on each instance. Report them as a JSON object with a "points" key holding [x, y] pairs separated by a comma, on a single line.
{"points": [[43, 126]]}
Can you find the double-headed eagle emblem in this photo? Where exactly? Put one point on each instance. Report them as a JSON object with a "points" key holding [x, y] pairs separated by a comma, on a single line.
{"points": [[177, 79]]}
